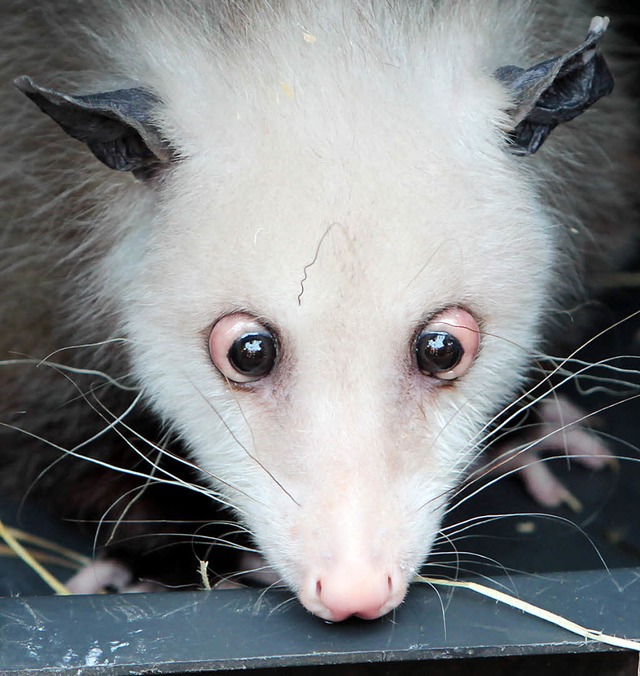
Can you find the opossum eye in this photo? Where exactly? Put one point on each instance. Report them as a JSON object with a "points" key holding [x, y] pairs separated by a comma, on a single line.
{"points": [[438, 352], [448, 345], [253, 355], [242, 349]]}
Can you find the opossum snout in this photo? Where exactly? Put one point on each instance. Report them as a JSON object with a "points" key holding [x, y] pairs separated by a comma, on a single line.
{"points": [[358, 562], [342, 463], [349, 589]]}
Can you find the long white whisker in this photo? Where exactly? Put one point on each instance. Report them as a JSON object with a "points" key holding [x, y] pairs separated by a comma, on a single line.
{"points": [[184, 461], [119, 421], [472, 522], [100, 343], [242, 446], [70, 369], [478, 440], [507, 457], [74, 451]]}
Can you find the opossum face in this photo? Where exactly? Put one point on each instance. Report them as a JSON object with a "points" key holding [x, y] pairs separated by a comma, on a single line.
{"points": [[331, 329]]}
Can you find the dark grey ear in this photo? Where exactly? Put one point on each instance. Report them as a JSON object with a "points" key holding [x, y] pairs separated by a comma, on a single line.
{"points": [[556, 90], [116, 125]]}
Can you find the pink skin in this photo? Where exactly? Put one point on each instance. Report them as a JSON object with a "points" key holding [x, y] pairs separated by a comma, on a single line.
{"points": [[227, 330], [460, 324], [106, 573], [371, 596]]}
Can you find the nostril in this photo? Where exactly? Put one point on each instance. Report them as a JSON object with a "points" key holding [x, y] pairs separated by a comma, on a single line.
{"points": [[389, 583], [318, 589]]}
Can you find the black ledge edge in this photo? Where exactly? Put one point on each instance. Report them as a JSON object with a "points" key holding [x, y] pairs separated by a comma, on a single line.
{"points": [[241, 629]]}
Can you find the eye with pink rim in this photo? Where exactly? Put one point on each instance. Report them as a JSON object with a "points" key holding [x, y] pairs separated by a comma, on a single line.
{"points": [[242, 349], [448, 345]]}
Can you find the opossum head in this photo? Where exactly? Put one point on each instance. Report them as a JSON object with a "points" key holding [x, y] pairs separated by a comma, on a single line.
{"points": [[331, 291], [331, 336], [284, 318]]}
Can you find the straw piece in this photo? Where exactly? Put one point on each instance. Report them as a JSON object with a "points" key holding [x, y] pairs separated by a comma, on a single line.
{"points": [[44, 574], [23, 536], [588, 634], [43, 557], [204, 574]]}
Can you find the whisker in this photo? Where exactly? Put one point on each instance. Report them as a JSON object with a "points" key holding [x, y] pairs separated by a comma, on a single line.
{"points": [[97, 461], [507, 457], [478, 440], [30, 361], [116, 420], [74, 451], [162, 451], [281, 605], [443, 606], [553, 391], [219, 497], [137, 494], [479, 520], [457, 570], [242, 446], [186, 538], [100, 343]]}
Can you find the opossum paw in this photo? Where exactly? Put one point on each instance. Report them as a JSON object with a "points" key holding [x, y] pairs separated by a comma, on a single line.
{"points": [[107, 575], [561, 430]]}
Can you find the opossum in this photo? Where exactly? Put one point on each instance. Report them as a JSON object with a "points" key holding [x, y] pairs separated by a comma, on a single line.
{"points": [[308, 251]]}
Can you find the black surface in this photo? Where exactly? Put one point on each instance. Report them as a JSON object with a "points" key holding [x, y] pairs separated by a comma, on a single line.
{"points": [[240, 629], [538, 665]]}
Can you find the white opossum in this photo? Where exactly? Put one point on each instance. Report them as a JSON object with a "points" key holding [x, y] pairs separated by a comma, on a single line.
{"points": [[330, 271]]}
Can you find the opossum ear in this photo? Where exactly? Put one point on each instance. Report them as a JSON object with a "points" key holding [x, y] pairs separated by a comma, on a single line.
{"points": [[116, 125], [556, 90]]}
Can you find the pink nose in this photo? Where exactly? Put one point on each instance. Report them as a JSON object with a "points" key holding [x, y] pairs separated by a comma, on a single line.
{"points": [[343, 592]]}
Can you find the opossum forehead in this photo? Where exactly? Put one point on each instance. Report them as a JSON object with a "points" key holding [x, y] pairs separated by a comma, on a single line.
{"points": [[301, 234], [367, 110], [346, 82]]}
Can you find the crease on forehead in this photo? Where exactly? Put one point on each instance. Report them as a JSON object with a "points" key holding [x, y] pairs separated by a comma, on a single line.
{"points": [[357, 276]]}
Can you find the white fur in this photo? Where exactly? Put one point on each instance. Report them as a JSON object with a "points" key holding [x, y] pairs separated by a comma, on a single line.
{"points": [[370, 134]]}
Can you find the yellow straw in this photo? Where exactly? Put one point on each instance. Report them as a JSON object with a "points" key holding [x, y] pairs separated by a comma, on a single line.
{"points": [[588, 634], [22, 536], [56, 585]]}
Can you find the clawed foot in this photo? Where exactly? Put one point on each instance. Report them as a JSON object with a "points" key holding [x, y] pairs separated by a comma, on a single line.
{"points": [[111, 575], [562, 428], [107, 575]]}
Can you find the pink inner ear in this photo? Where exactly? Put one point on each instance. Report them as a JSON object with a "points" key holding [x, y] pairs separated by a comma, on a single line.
{"points": [[463, 326]]}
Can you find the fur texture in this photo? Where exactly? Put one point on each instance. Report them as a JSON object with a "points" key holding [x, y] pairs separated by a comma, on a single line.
{"points": [[365, 137]]}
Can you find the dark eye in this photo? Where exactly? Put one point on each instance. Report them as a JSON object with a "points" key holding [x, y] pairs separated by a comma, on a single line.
{"points": [[447, 346], [438, 352], [242, 349], [253, 354]]}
